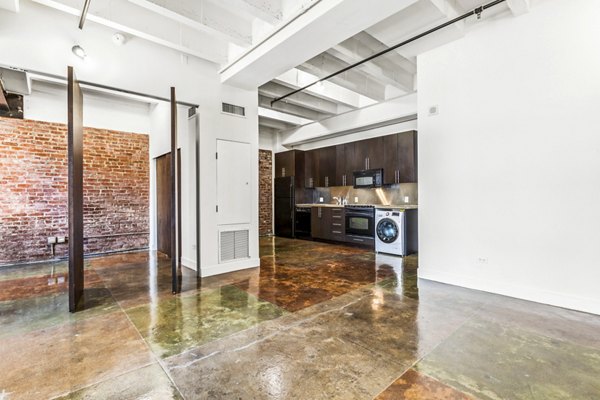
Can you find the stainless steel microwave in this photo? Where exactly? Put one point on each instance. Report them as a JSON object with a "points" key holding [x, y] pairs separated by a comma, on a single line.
{"points": [[370, 178]]}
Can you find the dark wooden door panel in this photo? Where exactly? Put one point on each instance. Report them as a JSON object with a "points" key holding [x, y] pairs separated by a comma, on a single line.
{"points": [[163, 203], [390, 159], [407, 153], [75, 187]]}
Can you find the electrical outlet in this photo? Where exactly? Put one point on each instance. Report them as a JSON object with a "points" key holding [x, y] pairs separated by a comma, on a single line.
{"points": [[406, 199], [51, 239], [356, 199], [61, 239], [320, 199]]}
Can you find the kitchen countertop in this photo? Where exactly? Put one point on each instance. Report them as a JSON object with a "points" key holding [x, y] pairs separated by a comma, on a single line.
{"points": [[402, 206]]}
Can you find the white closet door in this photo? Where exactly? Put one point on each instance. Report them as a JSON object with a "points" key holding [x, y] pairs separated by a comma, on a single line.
{"points": [[234, 170]]}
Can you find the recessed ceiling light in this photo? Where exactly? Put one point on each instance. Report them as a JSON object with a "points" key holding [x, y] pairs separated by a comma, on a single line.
{"points": [[118, 39], [79, 51]]}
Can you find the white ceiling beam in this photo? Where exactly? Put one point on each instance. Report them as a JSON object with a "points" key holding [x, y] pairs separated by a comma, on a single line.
{"points": [[10, 5], [269, 11], [364, 45], [272, 89], [291, 119], [150, 27], [198, 16], [321, 27], [416, 19], [379, 71], [273, 123], [292, 109], [357, 81], [265, 130], [518, 7], [295, 79]]}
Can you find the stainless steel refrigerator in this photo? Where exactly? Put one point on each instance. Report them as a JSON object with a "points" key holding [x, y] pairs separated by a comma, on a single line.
{"points": [[284, 206]]}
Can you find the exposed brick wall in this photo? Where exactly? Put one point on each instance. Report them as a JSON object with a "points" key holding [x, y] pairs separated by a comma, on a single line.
{"points": [[265, 192], [33, 182]]}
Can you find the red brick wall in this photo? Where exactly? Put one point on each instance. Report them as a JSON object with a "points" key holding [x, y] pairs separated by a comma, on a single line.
{"points": [[33, 196], [265, 192]]}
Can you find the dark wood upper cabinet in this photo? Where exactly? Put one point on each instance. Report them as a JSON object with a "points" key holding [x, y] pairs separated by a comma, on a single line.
{"points": [[368, 154], [407, 157], [390, 159], [345, 164], [311, 168], [327, 165], [290, 163]]}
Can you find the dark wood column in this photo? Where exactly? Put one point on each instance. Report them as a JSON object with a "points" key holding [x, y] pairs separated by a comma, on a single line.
{"points": [[75, 185], [174, 195]]}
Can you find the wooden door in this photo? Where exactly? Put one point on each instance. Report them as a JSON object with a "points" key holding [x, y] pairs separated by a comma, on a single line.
{"points": [[163, 203], [311, 163], [340, 164], [284, 164], [375, 153], [327, 166]]}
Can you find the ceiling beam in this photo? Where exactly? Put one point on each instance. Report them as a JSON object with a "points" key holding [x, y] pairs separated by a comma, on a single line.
{"points": [[269, 11], [292, 109], [295, 79], [10, 5], [518, 7], [323, 25], [386, 73], [355, 80], [291, 119], [136, 21], [272, 89], [273, 123], [203, 17]]}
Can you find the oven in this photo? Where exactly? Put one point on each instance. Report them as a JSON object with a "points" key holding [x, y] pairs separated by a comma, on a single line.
{"points": [[360, 220]]}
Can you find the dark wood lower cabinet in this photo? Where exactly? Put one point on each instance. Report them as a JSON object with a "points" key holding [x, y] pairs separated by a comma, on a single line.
{"points": [[329, 223]]}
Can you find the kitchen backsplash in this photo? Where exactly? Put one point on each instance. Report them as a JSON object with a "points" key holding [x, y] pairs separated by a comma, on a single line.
{"points": [[393, 194]]}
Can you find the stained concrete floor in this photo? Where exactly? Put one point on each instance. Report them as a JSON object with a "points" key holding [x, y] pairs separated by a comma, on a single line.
{"points": [[316, 321]]}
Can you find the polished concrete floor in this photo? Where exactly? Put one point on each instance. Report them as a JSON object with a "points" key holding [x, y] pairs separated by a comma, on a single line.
{"points": [[317, 321]]}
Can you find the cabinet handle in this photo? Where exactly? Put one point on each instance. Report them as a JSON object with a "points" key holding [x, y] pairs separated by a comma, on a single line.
{"points": [[358, 240], [337, 224], [338, 232], [283, 172], [326, 181]]}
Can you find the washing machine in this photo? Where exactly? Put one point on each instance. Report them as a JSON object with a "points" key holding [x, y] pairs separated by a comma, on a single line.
{"points": [[390, 231]]}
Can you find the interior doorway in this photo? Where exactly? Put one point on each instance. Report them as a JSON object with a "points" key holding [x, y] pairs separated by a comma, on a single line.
{"points": [[163, 203]]}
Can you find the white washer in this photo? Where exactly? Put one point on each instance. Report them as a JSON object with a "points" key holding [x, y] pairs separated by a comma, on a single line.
{"points": [[389, 231]]}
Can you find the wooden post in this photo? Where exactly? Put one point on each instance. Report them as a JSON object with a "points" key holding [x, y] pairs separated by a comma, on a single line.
{"points": [[75, 186], [174, 194]]}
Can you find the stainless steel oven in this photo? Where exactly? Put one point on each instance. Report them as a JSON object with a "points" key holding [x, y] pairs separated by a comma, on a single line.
{"points": [[360, 220]]}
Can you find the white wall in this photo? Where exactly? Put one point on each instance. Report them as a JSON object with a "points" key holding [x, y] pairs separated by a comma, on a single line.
{"points": [[509, 170], [40, 39]]}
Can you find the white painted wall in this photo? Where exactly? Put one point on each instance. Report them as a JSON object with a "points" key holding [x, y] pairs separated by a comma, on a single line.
{"points": [[38, 38], [510, 168]]}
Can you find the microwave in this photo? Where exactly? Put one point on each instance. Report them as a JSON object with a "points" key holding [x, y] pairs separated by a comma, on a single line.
{"points": [[370, 178]]}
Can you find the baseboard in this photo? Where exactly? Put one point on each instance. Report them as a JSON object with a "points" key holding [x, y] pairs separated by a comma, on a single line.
{"points": [[218, 269], [188, 262], [537, 295]]}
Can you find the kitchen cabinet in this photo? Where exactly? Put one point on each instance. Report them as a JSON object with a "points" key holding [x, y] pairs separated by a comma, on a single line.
{"points": [[326, 166], [328, 223], [400, 158], [407, 154], [368, 154], [344, 164], [311, 167], [290, 163]]}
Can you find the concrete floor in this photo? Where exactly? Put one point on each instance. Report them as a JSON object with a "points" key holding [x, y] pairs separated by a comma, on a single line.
{"points": [[317, 321]]}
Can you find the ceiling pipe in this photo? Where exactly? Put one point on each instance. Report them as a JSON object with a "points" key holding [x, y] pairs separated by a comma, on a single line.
{"points": [[84, 12], [477, 12]]}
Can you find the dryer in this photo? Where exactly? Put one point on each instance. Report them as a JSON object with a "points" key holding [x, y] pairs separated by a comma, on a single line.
{"points": [[390, 231]]}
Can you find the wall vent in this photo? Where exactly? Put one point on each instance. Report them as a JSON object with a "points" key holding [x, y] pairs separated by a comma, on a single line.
{"points": [[233, 109], [234, 245]]}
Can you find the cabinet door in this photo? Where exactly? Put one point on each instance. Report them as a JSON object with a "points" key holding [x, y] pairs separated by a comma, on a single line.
{"points": [[390, 159], [407, 157], [350, 164], [310, 168], [318, 225], [340, 164], [361, 154], [284, 164], [327, 165], [375, 153]]}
